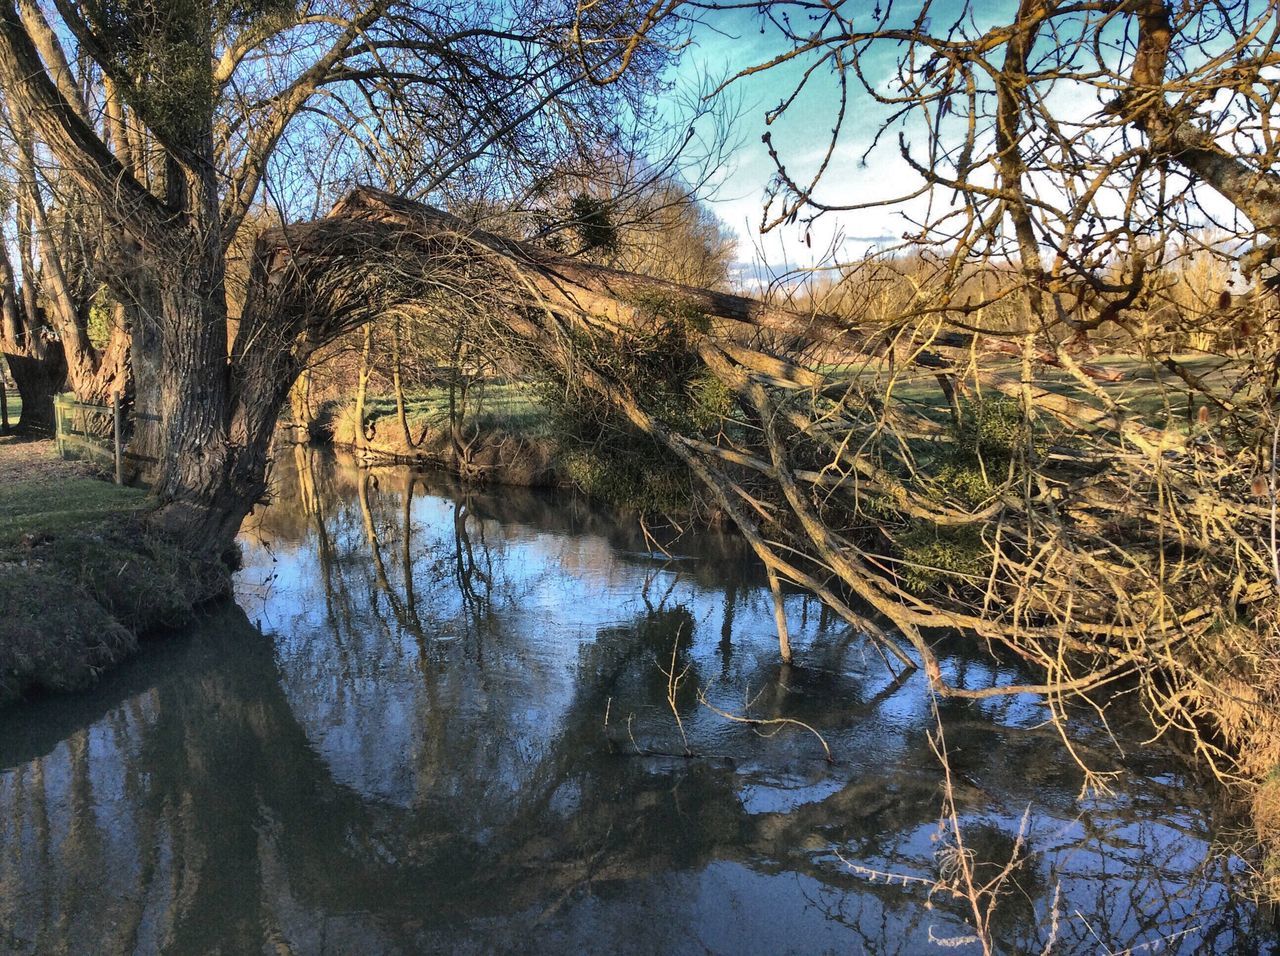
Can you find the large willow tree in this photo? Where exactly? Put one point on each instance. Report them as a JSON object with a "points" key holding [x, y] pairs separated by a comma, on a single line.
{"points": [[168, 124]]}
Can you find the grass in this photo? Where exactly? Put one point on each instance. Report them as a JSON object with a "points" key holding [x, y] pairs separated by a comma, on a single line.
{"points": [[15, 407], [1157, 396], [41, 509], [514, 407], [81, 578], [1150, 393]]}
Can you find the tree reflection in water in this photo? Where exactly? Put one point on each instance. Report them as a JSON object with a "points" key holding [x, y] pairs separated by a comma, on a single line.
{"points": [[408, 752]]}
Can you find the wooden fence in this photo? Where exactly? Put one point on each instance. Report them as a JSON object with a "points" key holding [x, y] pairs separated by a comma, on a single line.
{"points": [[103, 440], [5, 427]]}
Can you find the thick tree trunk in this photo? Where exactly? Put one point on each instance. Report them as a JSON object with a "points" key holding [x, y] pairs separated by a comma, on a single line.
{"points": [[189, 394], [112, 374], [146, 449], [38, 381]]}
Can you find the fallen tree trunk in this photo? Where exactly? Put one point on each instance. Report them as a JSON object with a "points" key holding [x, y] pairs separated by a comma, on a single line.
{"points": [[822, 475]]}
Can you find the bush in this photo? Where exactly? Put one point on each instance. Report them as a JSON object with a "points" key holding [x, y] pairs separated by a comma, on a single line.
{"points": [[951, 557], [990, 439]]}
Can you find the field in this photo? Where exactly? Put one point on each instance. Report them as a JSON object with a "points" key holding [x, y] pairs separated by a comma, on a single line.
{"points": [[515, 408], [1151, 393]]}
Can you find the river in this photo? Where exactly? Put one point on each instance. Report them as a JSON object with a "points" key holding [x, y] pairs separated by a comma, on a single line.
{"points": [[440, 720]]}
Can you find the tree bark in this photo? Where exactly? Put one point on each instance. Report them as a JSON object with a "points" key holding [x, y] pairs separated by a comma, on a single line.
{"points": [[1254, 191], [300, 405], [362, 388], [397, 384], [38, 381]]}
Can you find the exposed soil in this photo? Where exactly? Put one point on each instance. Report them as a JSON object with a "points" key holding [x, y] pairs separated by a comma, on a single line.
{"points": [[36, 459]]}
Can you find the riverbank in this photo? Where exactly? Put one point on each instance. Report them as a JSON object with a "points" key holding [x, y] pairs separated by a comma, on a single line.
{"points": [[511, 435], [82, 579], [505, 438]]}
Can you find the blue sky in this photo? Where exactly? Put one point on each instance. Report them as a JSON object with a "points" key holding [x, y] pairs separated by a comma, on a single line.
{"points": [[731, 41]]}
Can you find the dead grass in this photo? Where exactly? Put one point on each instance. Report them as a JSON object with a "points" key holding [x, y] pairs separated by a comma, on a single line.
{"points": [[29, 459]]}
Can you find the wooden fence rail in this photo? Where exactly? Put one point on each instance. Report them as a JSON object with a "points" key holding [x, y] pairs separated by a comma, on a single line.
{"points": [[75, 436]]}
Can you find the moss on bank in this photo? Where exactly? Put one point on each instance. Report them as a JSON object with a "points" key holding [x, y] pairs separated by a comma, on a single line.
{"points": [[81, 579]]}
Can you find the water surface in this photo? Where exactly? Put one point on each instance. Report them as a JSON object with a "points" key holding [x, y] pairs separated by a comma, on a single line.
{"points": [[446, 721]]}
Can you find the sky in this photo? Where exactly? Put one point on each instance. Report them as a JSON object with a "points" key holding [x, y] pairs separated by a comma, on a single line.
{"points": [[730, 41]]}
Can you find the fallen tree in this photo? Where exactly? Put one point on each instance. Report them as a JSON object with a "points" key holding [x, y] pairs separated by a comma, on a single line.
{"points": [[819, 471], [1100, 548], [1029, 506]]}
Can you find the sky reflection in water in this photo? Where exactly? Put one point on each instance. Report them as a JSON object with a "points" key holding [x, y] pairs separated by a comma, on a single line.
{"points": [[416, 757]]}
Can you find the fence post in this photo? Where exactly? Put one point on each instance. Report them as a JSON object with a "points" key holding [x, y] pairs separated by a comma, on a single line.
{"points": [[57, 423], [118, 427]]}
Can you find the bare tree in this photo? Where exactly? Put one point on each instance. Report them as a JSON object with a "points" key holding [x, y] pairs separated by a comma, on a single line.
{"points": [[955, 461], [189, 103]]}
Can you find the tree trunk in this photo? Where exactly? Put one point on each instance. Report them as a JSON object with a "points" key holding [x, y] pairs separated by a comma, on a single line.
{"points": [[397, 385], [780, 616], [145, 443], [197, 478], [362, 388], [300, 406], [38, 381]]}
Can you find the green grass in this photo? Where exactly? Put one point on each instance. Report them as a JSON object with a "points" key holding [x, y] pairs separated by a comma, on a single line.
{"points": [[15, 407], [1149, 392], [55, 508], [80, 581], [514, 407], [1157, 396]]}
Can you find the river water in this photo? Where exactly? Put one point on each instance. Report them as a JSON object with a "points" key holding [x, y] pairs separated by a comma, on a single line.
{"points": [[451, 721]]}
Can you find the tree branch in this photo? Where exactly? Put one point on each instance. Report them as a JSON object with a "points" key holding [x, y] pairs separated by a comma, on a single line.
{"points": [[34, 96]]}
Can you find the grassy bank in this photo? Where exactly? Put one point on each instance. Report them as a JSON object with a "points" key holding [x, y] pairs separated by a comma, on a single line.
{"points": [[506, 435], [14, 403], [512, 435], [81, 579]]}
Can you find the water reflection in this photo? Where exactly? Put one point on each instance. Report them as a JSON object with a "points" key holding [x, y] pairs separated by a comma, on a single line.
{"points": [[438, 720]]}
